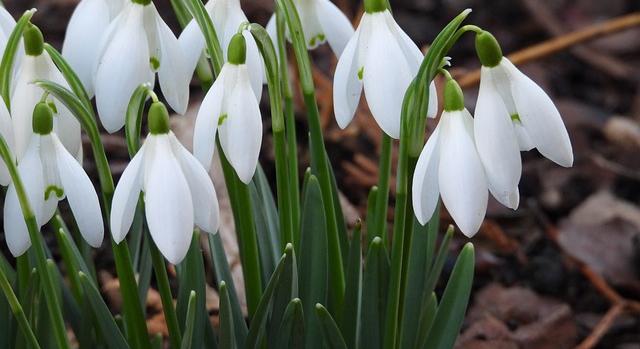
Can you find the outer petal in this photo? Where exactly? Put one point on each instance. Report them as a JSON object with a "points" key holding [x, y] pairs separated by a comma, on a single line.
{"points": [[203, 194], [81, 195], [241, 131], [386, 76], [82, 39], [272, 30], [541, 118], [204, 133], [463, 184], [6, 130], [122, 68], [255, 64], [496, 142], [336, 26], [125, 197], [192, 43], [173, 73], [168, 203], [347, 85], [425, 191], [15, 229]]}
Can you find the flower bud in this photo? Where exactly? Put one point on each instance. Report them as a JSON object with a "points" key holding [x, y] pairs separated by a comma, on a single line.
{"points": [[453, 97], [237, 53], [488, 49], [33, 40], [373, 6], [158, 119], [42, 119]]}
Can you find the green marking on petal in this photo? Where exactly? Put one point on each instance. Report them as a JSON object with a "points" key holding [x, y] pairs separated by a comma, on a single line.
{"points": [[317, 39], [515, 118], [59, 192], [222, 119], [360, 73], [155, 63], [312, 42], [321, 37]]}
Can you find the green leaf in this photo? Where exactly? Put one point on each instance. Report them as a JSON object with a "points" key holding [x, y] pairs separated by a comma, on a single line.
{"points": [[427, 315], [291, 330], [350, 320], [287, 289], [258, 322], [108, 326], [70, 76], [332, 336], [199, 13], [227, 338], [133, 119], [8, 58], [223, 274], [455, 298], [371, 209], [374, 295], [190, 322], [270, 211], [268, 260], [313, 259], [144, 271], [436, 269]]}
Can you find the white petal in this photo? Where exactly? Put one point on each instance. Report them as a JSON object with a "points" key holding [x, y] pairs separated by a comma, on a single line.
{"points": [[336, 26], [125, 197], [203, 194], [347, 86], [541, 119], [496, 141], [313, 31], [16, 233], [204, 133], [524, 140], [168, 203], [463, 184], [241, 131], [255, 64], [192, 43], [425, 191], [411, 51], [6, 130], [432, 110], [82, 39], [51, 177], [123, 67], [173, 74], [272, 30], [386, 77], [81, 195]]}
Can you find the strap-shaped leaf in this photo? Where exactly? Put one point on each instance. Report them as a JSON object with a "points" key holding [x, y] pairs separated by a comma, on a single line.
{"points": [[291, 331], [374, 295], [8, 59], [332, 336], [227, 338], [450, 314], [190, 322], [350, 321], [286, 291], [427, 315]]}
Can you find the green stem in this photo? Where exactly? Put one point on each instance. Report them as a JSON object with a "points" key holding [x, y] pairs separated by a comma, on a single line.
{"points": [[46, 279], [159, 267], [336, 267], [382, 200], [18, 312]]}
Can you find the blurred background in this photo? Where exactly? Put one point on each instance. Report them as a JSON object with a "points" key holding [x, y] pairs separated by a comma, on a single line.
{"points": [[563, 270]]}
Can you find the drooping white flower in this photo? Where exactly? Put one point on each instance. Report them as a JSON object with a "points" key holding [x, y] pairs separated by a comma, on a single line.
{"points": [[6, 131], [37, 65], [86, 27], [231, 109], [178, 192], [322, 21], [49, 174], [512, 114], [7, 23], [137, 44], [227, 17], [382, 58], [449, 166]]}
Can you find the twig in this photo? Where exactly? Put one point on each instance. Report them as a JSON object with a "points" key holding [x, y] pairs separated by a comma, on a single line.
{"points": [[560, 43], [602, 327]]}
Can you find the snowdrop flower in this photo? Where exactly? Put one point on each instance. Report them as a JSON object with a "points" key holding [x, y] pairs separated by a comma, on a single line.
{"points": [[231, 109], [383, 59], [86, 27], [37, 65], [449, 166], [177, 191], [137, 44], [322, 21], [227, 17], [512, 114], [6, 131], [7, 23], [49, 174]]}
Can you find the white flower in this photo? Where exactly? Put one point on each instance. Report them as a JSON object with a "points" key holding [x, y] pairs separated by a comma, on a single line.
{"points": [[37, 65], [49, 174], [449, 166], [177, 191], [7, 23], [227, 17], [6, 131], [231, 109], [322, 21], [86, 27], [383, 59], [136, 45], [512, 114]]}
